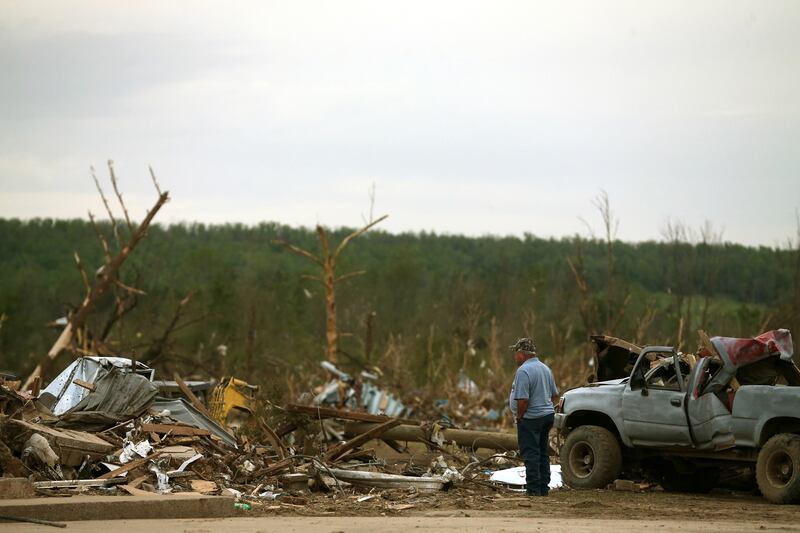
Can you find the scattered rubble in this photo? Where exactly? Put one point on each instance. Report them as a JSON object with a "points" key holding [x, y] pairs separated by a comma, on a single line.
{"points": [[104, 426]]}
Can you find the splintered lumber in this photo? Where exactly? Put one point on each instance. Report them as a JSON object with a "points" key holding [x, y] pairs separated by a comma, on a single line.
{"points": [[190, 396], [173, 429], [72, 446], [344, 414], [273, 438], [278, 466], [373, 433], [462, 437], [129, 466]]}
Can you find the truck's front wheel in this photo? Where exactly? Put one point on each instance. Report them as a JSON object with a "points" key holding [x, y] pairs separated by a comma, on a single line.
{"points": [[591, 458], [778, 468]]}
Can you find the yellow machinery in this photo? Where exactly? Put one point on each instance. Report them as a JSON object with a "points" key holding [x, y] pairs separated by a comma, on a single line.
{"points": [[232, 402]]}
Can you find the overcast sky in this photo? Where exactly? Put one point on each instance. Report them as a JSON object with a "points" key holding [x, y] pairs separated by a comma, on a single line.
{"points": [[478, 118]]}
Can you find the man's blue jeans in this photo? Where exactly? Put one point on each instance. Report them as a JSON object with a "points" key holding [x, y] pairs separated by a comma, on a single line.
{"points": [[532, 437]]}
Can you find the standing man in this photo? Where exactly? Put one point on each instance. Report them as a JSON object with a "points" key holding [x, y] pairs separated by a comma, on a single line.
{"points": [[533, 395]]}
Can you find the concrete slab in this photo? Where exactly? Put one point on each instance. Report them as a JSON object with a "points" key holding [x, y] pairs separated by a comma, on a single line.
{"points": [[16, 487], [64, 509]]}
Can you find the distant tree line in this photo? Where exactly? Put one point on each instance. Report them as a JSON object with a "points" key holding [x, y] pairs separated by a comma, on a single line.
{"points": [[428, 305]]}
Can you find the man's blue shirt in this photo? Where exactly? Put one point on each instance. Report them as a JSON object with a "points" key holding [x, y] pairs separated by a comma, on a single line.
{"points": [[534, 381]]}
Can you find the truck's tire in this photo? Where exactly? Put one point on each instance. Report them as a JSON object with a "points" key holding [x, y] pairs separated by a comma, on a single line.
{"points": [[591, 458], [778, 468]]}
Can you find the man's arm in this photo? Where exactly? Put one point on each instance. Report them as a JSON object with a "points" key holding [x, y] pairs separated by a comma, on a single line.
{"points": [[554, 398], [522, 406]]}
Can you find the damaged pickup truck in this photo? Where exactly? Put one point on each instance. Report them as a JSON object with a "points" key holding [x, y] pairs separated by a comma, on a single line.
{"points": [[691, 423]]}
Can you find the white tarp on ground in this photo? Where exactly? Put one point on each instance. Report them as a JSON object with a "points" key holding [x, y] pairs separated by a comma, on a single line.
{"points": [[516, 476]]}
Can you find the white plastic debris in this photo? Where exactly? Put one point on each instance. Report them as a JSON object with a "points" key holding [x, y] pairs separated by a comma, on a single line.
{"points": [[162, 480], [131, 451], [38, 446], [516, 476], [186, 463]]}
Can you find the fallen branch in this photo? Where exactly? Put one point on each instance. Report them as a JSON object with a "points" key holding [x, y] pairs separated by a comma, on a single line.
{"points": [[32, 521], [373, 433]]}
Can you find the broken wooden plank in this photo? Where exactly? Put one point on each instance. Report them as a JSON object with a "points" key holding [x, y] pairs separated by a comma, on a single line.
{"points": [[74, 483], [84, 384], [372, 433], [129, 466], [190, 396], [204, 487], [275, 468], [174, 429], [344, 414], [136, 483], [72, 446], [277, 445]]}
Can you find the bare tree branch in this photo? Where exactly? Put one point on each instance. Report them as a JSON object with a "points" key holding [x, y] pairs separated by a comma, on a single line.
{"points": [[350, 275], [119, 196], [84, 277], [297, 250], [103, 241], [355, 234], [155, 181], [132, 290], [113, 220]]}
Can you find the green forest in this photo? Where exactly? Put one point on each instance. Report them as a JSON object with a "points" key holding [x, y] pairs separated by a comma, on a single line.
{"points": [[426, 306]]}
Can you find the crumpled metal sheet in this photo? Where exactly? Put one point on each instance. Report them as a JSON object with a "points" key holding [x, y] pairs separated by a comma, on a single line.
{"points": [[736, 353], [119, 393], [182, 411], [67, 395], [740, 352]]}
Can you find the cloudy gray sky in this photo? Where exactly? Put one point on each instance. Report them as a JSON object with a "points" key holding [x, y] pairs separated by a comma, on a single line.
{"points": [[469, 117]]}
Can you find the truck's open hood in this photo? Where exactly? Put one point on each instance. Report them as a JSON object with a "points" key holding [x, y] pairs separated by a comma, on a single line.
{"points": [[615, 357]]}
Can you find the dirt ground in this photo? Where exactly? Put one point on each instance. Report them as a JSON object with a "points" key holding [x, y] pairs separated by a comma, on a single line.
{"points": [[429, 524], [562, 503], [482, 508]]}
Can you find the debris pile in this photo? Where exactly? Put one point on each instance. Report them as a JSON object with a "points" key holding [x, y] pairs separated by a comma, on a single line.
{"points": [[104, 425]]}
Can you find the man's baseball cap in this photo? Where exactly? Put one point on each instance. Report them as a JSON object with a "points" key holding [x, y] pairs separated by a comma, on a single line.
{"points": [[524, 345]]}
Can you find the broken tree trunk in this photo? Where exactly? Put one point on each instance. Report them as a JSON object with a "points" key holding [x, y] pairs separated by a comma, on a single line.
{"points": [[328, 278], [104, 280], [462, 437]]}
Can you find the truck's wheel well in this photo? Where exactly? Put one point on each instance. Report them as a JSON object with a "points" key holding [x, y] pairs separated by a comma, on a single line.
{"points": [[778, 425], [591, 418]]}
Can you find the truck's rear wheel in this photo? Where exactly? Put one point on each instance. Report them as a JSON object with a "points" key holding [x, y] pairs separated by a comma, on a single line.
{"points": [[778, 468], [591, 458]]}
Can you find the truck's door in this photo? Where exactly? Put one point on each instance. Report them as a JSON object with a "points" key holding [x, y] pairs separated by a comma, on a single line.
{"points": [[653, 409], [710, 419]]}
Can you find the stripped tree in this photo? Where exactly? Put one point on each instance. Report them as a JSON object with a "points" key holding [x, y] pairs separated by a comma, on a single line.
{"points": [[326, 261], [74, 334]]}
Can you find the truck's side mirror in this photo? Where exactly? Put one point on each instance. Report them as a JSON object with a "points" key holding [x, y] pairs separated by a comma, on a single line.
{"points": [[637, 381], [638, 378]]}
